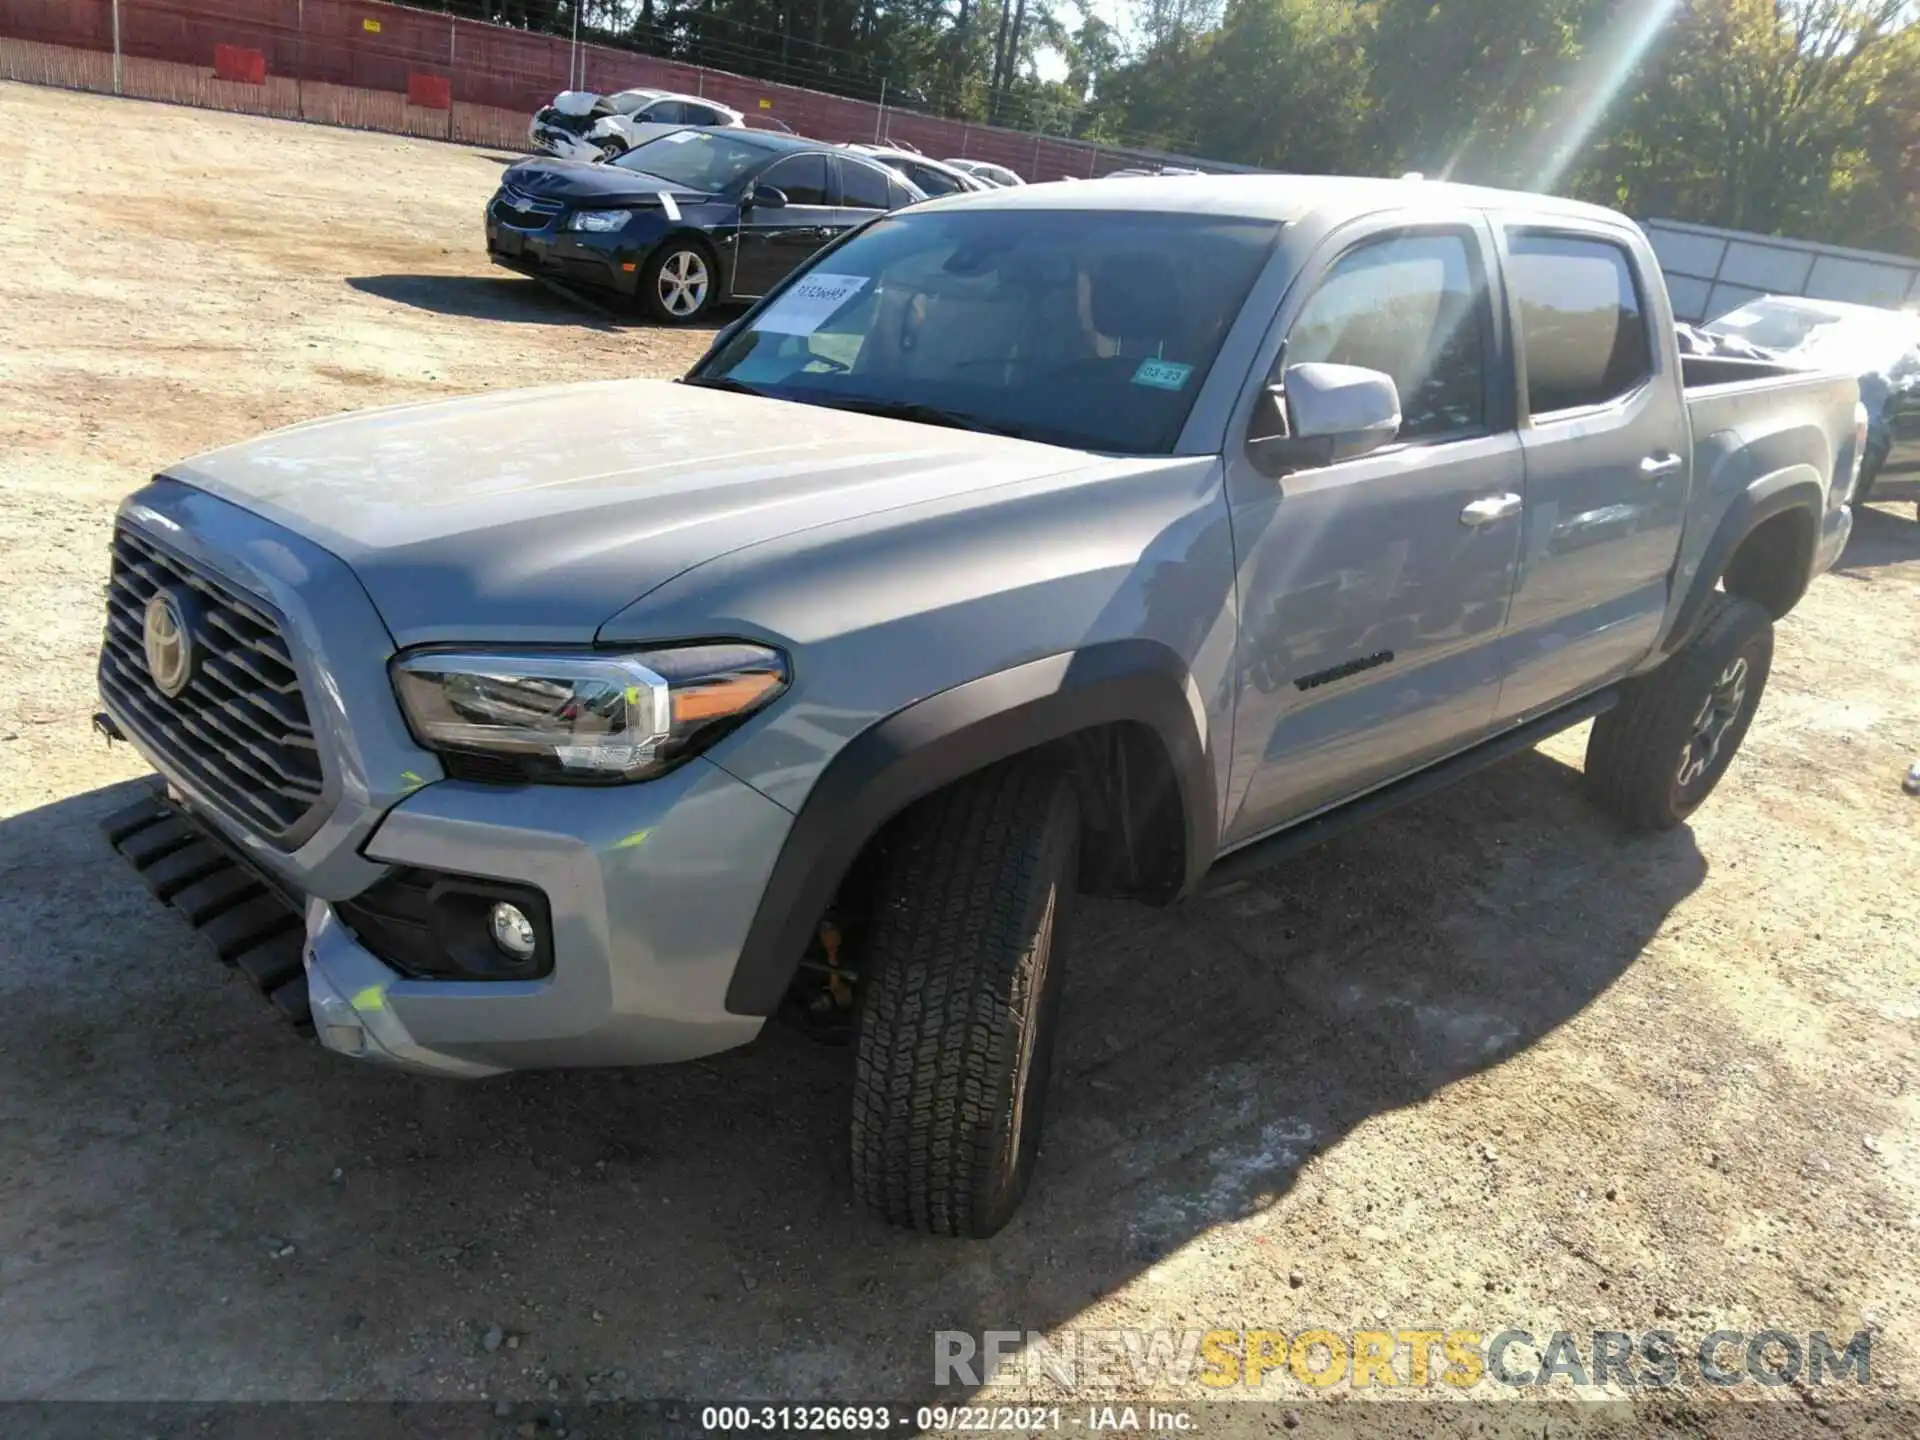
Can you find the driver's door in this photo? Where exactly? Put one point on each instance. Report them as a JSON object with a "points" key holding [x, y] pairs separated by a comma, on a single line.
{"points": [[774, 239], [1373, 590]]}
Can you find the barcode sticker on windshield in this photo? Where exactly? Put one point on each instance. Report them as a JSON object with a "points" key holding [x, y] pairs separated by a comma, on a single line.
{"points": [[1162, 374], [809, 304]]}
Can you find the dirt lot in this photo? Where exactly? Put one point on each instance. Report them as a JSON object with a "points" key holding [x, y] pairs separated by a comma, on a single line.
{"points": [[1488, 1065]]}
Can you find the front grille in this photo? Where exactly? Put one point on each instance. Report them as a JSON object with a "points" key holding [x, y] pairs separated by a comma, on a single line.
{"points": [[523, 212], [239, 731]]}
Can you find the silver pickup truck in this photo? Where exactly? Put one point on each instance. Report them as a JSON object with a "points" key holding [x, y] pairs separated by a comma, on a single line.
{"points": [[1079, 538]]}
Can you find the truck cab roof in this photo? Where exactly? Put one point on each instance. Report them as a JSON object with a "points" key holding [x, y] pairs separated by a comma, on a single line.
{"points": [[1283, 198]]}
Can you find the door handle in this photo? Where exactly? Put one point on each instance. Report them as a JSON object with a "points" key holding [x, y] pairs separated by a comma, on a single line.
{"points": [[1656, 466], [1490, 508]]}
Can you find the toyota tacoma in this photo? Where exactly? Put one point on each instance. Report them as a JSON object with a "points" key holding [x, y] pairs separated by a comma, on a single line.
{"points": [[1071, 539]]}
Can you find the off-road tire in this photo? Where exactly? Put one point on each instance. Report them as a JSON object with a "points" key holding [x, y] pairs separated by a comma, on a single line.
{"points": [[960, 987], [1636, 753]]}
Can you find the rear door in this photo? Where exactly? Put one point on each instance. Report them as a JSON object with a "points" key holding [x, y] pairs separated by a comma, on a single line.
{"points": [[1604, 431], [1373, 591], [774, 239]]}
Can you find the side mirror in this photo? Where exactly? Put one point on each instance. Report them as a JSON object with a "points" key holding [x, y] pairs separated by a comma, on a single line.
{"points": [[1320, 414], [767, 197]]}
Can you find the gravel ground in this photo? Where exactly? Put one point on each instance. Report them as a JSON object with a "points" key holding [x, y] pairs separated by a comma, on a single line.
{"points": [[1489, 1064]]}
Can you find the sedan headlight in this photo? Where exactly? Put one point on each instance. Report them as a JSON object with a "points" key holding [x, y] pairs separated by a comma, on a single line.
{"points": [[599, 222], [586, 718]]}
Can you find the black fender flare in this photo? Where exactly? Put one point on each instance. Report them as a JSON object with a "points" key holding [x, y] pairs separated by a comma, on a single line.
{"points": [[943, 738], [1791, 489]]}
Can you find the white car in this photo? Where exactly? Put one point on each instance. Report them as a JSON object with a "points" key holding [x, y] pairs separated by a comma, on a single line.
{"points": [[998, 175], [581, 125], [934, 177]]}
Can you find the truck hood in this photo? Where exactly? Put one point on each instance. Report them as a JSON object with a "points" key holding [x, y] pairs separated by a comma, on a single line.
{"points": [[539, 514]]}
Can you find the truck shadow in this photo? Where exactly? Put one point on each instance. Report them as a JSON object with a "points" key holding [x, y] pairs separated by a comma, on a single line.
{"points": [[690, 1227], [1883, 535]]}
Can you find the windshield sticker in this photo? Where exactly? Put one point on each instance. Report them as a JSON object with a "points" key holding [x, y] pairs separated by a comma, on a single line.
{"points": [[679, 137], [1162, 374], [809, 304]]}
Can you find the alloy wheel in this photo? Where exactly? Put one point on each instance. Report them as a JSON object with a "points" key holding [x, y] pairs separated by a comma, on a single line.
{"points": [[683, 283], [1722, 707]]}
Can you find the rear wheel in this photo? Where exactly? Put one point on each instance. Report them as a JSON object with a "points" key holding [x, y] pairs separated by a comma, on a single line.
{"points": [[960, 992], [1656, 755], [677, 282]]}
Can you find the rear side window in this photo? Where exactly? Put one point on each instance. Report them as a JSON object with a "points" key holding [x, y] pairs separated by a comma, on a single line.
{"points": [[802, 177], [865, 186], [1413, 307], [898, 195], [1581, 321]]}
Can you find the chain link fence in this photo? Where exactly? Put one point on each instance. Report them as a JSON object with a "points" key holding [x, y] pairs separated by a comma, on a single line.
{"points": [[379, 66]]}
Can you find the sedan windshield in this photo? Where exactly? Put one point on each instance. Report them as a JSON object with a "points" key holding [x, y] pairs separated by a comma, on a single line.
{"points": [[1072, 327], [698, 159]]}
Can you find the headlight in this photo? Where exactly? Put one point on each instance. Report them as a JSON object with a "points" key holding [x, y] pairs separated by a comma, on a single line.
{"points": [[599, 222], [586, 718]]}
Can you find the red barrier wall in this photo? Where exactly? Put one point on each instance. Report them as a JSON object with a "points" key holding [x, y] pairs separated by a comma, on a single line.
{"points": [[381, 66]]}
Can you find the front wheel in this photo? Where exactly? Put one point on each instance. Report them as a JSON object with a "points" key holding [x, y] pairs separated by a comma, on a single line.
{"points": [[1656, 755], [960, 992], [677, 283]]}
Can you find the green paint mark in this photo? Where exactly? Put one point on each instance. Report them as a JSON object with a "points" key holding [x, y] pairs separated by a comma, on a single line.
{"points": [[414, 782], [371, 999], [633, 841]]}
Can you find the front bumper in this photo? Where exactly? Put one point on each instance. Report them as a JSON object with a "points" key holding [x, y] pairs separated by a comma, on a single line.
{"points": [[651, 889], [609, 261]]}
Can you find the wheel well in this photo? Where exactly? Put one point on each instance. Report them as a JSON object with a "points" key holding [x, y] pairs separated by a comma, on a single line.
{"points": [[1132, 826], [1771, 565]]}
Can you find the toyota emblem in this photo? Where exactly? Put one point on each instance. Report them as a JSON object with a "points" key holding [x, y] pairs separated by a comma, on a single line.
{"points": [[168, 639]]}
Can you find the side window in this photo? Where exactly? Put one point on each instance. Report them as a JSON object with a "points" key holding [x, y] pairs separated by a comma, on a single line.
{"points": [[1414, 307], [931, 180], [863, 187], [898, 195], [1581, 321], [666, 112], [803, 177]]}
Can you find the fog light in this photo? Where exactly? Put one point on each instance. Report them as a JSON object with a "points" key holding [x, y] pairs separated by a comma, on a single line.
{"points": [[512, 931]]}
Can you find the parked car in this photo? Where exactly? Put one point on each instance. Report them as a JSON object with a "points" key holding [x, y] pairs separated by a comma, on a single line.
{"points": [[693, 219], [581, 125], [1111, 537], [1882, 347], [993, 174], [931, 177]]}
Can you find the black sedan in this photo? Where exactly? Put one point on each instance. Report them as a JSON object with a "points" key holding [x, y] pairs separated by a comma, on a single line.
{"points": [[1882, 347], [689, 220]]}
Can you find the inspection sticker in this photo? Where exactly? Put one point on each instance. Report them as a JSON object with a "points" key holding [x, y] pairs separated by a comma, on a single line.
{"points": [[809, 304], [1162, 374]]}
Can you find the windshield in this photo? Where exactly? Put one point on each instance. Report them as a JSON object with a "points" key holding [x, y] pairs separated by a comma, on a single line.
{"points": [[1088, 329], [699, 159]]}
